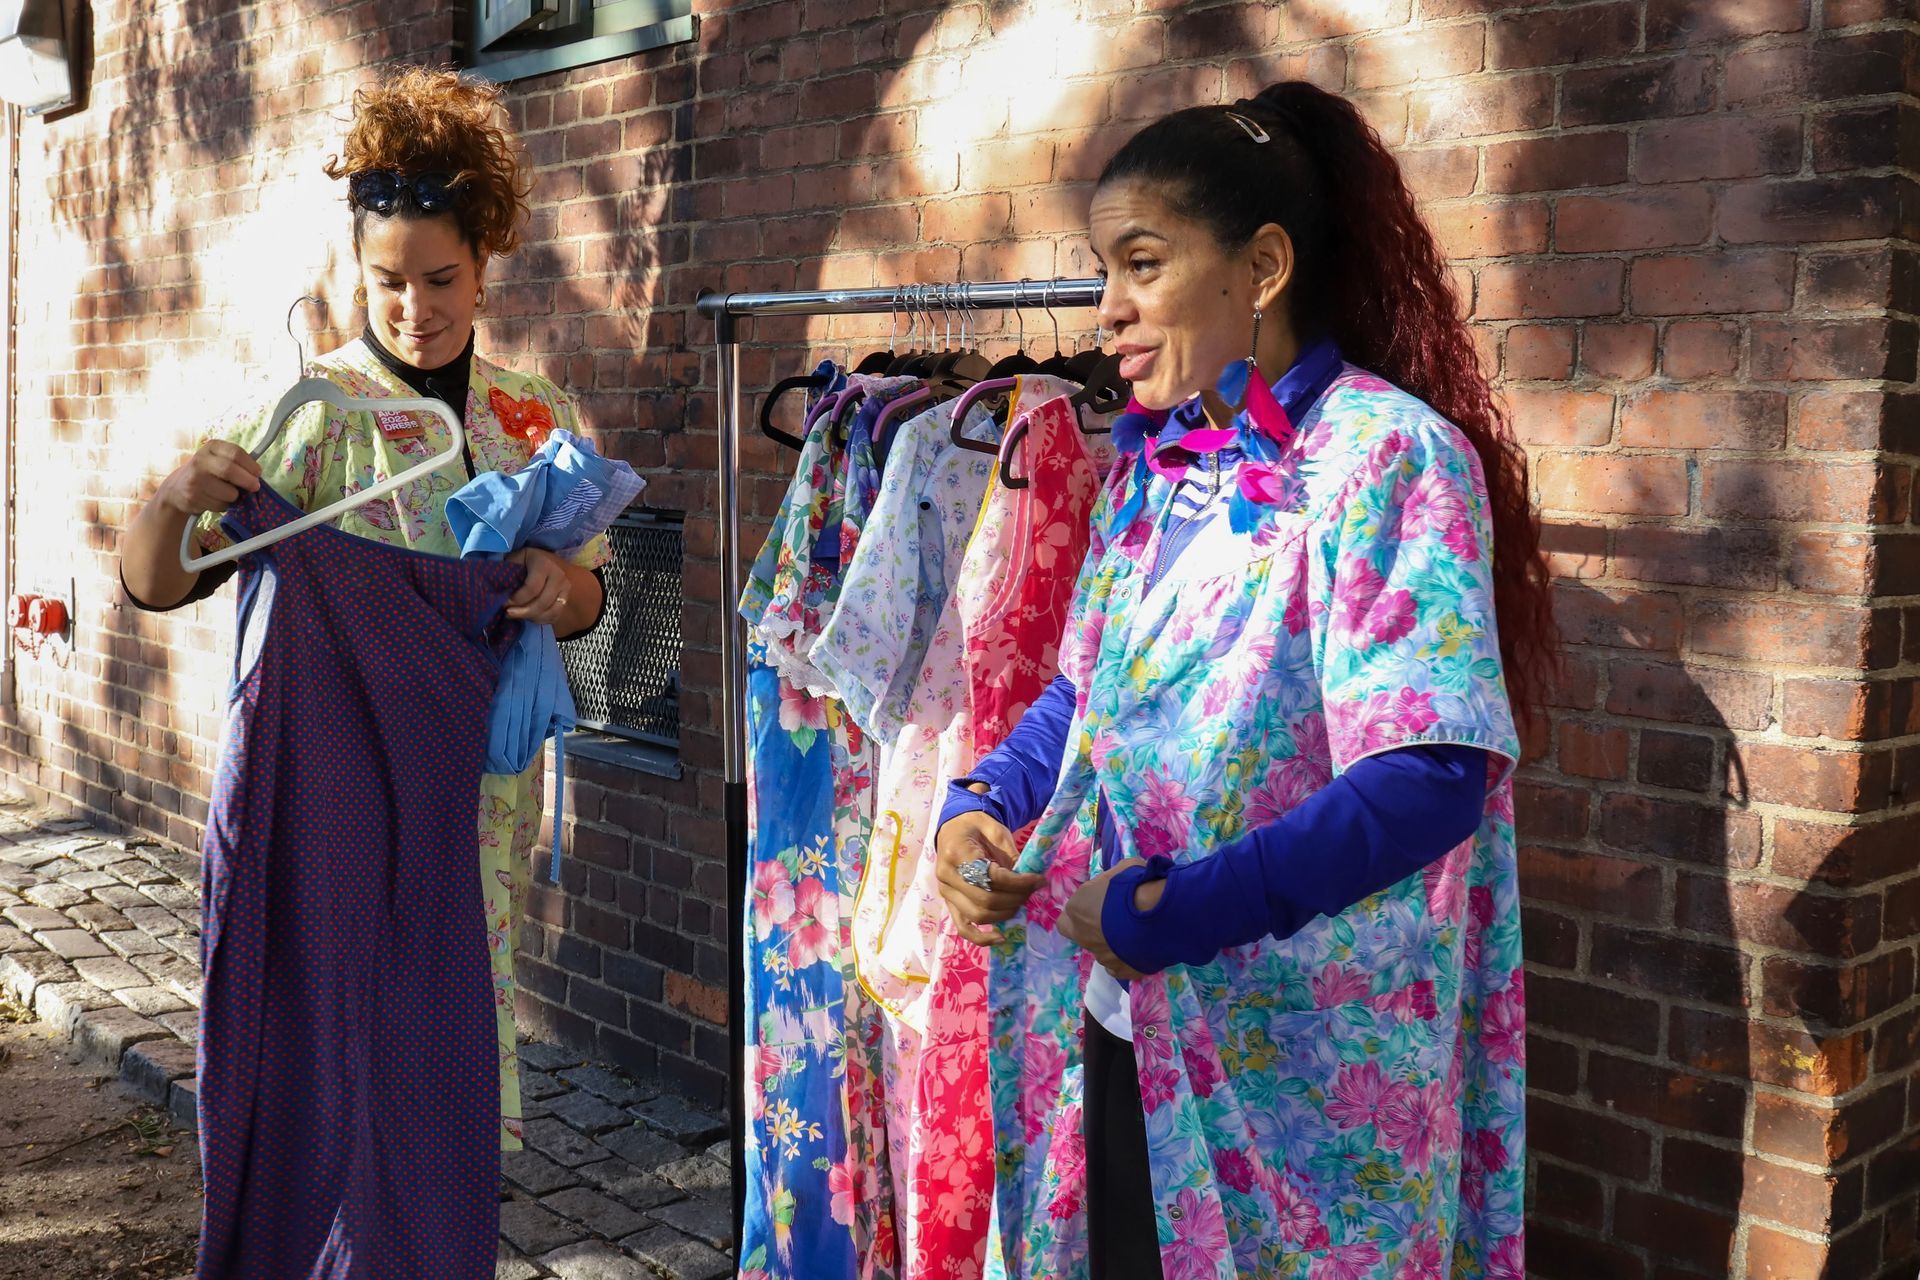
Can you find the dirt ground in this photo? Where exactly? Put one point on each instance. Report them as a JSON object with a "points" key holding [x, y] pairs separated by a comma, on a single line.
{"points": [[94, 1185]]}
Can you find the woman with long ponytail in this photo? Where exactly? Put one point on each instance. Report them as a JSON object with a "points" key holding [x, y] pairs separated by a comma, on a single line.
{"points": [[1256, 992]]}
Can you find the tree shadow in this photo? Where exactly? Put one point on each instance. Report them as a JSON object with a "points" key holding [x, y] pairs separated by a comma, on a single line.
{"points": [[104, 730]]}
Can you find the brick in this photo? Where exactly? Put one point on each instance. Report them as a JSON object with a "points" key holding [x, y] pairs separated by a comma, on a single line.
{"points": [[1544, 38], [1642, 219], [668, 1251], [1704, 420], [1774, 1255], [1867, 137], [1811, 634], [1559, 416], [1580, 1008], [151, 1066], [1554, 1251], [1810, 923], [1488, 229], [1850, 493], [1846, 710], [1825, 1066], [1511, 104], [104, 1035], [1398, 58], [1593, 881], [60, 1004], [1567, 1195], [1841, 856], [1698, 349], [1682, 761], [1439, 173], [1677, 1230], [1670, 966], [1715, 556], [1815, 351], [1666, 1096], [1711, 284], [1651, 90], [1818, 71], [1619, 619], [1617, 351], [1716, 147], [1607, 485], [1842, 420], [1808, 209], [1590, 750], [1678, 22], [1578, 287], [1695, 695], [1550, 939], [1538, 351]]}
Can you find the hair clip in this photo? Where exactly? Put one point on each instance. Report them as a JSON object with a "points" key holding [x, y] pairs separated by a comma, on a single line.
{"points": [[1253, 130]]}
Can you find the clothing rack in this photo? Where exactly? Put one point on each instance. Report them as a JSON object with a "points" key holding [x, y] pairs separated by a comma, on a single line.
{"points": [[725, 310]]}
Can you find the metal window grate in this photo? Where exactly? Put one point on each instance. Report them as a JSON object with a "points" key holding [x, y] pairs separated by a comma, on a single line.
{"points": [[626, 671]]}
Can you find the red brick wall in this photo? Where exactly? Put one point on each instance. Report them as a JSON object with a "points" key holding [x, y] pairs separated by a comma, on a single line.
{"points": [[1684, 233]]}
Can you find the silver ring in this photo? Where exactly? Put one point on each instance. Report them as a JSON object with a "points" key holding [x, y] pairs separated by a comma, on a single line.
{"points": [[978, 873]]}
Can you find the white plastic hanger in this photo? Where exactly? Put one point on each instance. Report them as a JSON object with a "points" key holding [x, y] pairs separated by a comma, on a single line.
{"points": [[306, 391]]}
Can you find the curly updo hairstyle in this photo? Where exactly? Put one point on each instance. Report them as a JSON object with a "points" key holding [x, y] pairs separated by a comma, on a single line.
{"points": [[417, 120]]}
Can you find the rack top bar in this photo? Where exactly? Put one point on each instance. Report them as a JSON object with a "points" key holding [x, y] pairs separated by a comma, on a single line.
{"points": [[993, 295]]}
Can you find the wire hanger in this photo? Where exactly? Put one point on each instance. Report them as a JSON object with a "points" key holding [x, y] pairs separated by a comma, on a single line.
{"points": [[306, 391]]}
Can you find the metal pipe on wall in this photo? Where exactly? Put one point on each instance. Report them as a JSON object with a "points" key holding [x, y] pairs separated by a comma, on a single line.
{"points": [[723, 310], [9, 367]]}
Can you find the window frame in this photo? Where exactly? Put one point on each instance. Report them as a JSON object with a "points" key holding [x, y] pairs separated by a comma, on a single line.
{"points": [[594, 31]]}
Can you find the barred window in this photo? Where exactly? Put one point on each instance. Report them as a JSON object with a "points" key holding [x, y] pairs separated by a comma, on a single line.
{"points": [[625, 673]]}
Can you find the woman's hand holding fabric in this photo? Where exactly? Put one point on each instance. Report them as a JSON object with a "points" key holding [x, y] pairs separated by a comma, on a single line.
{"points": [[976, 911], [554, 592], [1080, 921]]}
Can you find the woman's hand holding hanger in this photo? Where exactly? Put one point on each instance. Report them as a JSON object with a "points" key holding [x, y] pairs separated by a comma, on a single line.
{"points": [[211, 480]]}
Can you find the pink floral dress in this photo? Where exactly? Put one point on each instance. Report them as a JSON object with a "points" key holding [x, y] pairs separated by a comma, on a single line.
{"points": [[1347, 1102], [1014, 590]]}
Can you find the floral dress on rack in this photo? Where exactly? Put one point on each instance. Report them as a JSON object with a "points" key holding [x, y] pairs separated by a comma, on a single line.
{"points": [[323, 454], [895, 651], [1011, 598], [1346, 1102], [819, 1203]]}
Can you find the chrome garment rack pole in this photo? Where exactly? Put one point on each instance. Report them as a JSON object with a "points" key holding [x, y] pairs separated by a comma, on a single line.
{"points": [[725, 310]]}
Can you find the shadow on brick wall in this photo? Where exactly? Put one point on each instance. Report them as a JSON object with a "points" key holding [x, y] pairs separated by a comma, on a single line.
{"points": [[187, 100], [1633, 832]]}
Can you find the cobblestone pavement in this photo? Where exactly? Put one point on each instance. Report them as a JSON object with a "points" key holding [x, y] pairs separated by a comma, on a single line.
{"points": [[620, 1180]]}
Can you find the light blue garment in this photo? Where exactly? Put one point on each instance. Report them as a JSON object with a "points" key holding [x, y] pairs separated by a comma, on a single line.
{"points": [[565, 495]]}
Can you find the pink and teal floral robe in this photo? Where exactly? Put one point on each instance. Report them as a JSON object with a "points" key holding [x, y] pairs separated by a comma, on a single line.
{"points": [[1348, 1102]]}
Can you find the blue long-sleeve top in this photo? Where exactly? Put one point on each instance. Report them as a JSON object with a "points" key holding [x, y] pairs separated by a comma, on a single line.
{"points": [[1385, 818]]}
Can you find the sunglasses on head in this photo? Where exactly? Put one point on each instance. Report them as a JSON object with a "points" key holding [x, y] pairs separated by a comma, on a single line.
{"points": [[383, 190]]}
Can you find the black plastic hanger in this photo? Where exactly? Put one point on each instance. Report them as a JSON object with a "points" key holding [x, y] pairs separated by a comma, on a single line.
{"points": [[1103, 391], [810, 381]]}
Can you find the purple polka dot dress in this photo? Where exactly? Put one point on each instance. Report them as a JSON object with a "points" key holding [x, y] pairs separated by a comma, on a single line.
{"points": [[349, 1083]]}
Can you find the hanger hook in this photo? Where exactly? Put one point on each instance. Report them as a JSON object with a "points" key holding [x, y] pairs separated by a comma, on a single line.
{"points": [[1020, 314], [300, 346], [1046, 301]]}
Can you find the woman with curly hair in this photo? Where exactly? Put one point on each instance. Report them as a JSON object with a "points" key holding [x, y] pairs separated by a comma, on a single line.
{"points": [[436, 188], [1257, 1002]]}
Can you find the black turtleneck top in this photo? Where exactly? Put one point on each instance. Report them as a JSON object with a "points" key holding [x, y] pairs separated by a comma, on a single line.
{"points": [[448, 383]]}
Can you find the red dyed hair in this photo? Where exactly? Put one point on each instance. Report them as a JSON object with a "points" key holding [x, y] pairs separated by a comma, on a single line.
{"points": [[1369, 274]]}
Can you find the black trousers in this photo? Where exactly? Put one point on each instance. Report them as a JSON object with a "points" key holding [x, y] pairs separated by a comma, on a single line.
{"points": [[1122, 1241]]}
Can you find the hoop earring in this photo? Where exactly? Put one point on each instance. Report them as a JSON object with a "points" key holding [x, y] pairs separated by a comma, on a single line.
{"points": [[359, 295], [480, 300]]}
